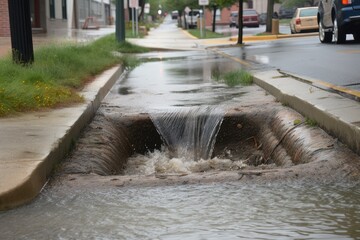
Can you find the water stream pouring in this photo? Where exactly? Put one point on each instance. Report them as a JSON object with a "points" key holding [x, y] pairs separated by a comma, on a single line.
{"points": [[189, 133]]}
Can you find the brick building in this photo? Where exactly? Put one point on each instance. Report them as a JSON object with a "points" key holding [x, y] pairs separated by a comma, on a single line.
{"points": [[4, 19], [53, 15], [223, 15]]}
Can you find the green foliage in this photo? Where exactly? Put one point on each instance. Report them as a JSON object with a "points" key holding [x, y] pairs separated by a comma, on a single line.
{"points": [[180, 5], [310, 122], [58, 72], [297, 122], [209, 34], [222, 3], [216, 74], [298, 3], [234, 78]]}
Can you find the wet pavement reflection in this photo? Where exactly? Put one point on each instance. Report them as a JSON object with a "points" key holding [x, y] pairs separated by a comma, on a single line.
{"points": [[165, 81], [224, 210]]}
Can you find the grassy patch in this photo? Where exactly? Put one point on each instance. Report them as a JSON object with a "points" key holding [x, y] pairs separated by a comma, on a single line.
{"points": [[234, 78], [310, 122], [209, 34], [297, 122], [58, 72], [129, 32]]}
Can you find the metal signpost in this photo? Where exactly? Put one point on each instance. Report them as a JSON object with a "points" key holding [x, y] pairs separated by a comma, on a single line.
{"points": [[134, 5], [202, 14]]}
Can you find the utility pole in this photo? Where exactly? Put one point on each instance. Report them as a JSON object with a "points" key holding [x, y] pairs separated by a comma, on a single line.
{"points": [[120, 21], [20, 29]]}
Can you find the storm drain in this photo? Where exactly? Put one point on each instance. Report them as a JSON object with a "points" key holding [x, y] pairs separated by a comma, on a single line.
{"points": [[239, 139]]}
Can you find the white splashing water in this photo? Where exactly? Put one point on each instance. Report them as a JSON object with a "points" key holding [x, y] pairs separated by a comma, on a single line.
{"points": [[160, 161], [190, 132], [189, 135]]}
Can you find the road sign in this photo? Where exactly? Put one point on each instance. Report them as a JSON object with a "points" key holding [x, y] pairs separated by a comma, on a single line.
{"points": [[203, 2], [147, 8], [134, 3]]}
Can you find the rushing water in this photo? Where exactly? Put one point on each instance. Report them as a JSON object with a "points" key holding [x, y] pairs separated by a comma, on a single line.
{"points": [[190, 133], [214, 211], [233, 210]]}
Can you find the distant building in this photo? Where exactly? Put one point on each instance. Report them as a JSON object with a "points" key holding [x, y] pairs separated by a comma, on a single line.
{"points": [[223, 15], [51, 15]]}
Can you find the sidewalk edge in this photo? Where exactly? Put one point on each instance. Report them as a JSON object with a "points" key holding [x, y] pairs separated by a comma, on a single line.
{"points": [[346, 132], [38, 177]]}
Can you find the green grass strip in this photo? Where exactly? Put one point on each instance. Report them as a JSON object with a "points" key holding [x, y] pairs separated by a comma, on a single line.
{"points": [[234, 78], [208, 34], [58, 73]]}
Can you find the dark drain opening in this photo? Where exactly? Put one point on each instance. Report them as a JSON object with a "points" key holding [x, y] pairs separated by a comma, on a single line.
{"points": [[250, 139], [243, 140]]}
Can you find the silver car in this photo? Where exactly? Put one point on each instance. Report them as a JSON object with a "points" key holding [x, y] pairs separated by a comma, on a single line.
{"points": [[338, 18], [304, 19]]}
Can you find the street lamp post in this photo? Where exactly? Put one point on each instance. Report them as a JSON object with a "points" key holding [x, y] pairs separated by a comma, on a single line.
{"points": [[20, 29], [120, 21]]}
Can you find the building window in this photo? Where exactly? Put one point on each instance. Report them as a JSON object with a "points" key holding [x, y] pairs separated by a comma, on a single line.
{"points": [[217, 15], [52, 8], [64, 12]]}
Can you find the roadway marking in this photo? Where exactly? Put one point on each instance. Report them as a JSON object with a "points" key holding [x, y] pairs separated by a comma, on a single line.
{"points": [[337, 88], [351, 51], [325, 84]]}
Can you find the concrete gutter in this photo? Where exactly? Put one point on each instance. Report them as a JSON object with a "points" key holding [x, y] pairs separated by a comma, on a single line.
{"points": [[338, 115], [32, 144], [272, 37]]}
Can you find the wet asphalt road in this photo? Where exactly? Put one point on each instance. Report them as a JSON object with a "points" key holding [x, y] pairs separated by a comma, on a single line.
{"points": [[306, 56], [170, 80]]}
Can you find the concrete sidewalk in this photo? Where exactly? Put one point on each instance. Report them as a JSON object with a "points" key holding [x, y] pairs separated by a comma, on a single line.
{"points": [[32, 144]]}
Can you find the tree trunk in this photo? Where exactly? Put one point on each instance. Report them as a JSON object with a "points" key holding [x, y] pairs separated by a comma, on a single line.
{"points": [[20, 30], [270, 11], [214, 18], [240, 22], [142, 6]]}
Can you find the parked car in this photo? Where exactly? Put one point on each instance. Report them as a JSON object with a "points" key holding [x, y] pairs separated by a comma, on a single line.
{"points": [[174, 15], [250, 18], [338, 18], [286, 12], [304, 19], [192, 17], [262, 18], [234, 19]]}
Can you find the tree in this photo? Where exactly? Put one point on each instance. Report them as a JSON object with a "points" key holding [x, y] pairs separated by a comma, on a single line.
{"points": [[270, 12], [20, 30], [240, 22], [179, 5], [299, 3], [214, 5]]}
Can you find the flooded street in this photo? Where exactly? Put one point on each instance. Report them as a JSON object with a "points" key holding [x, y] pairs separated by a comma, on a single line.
{"points": [[215, 211], [171, 80], [129, 204]]}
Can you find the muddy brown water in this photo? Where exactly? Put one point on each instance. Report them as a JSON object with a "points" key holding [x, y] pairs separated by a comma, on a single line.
{"points": [[270, 175]]}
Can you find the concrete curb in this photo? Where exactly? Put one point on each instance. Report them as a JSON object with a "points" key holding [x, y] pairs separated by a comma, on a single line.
{"points": [[273, 37], [21, 180], [337, 115]]}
